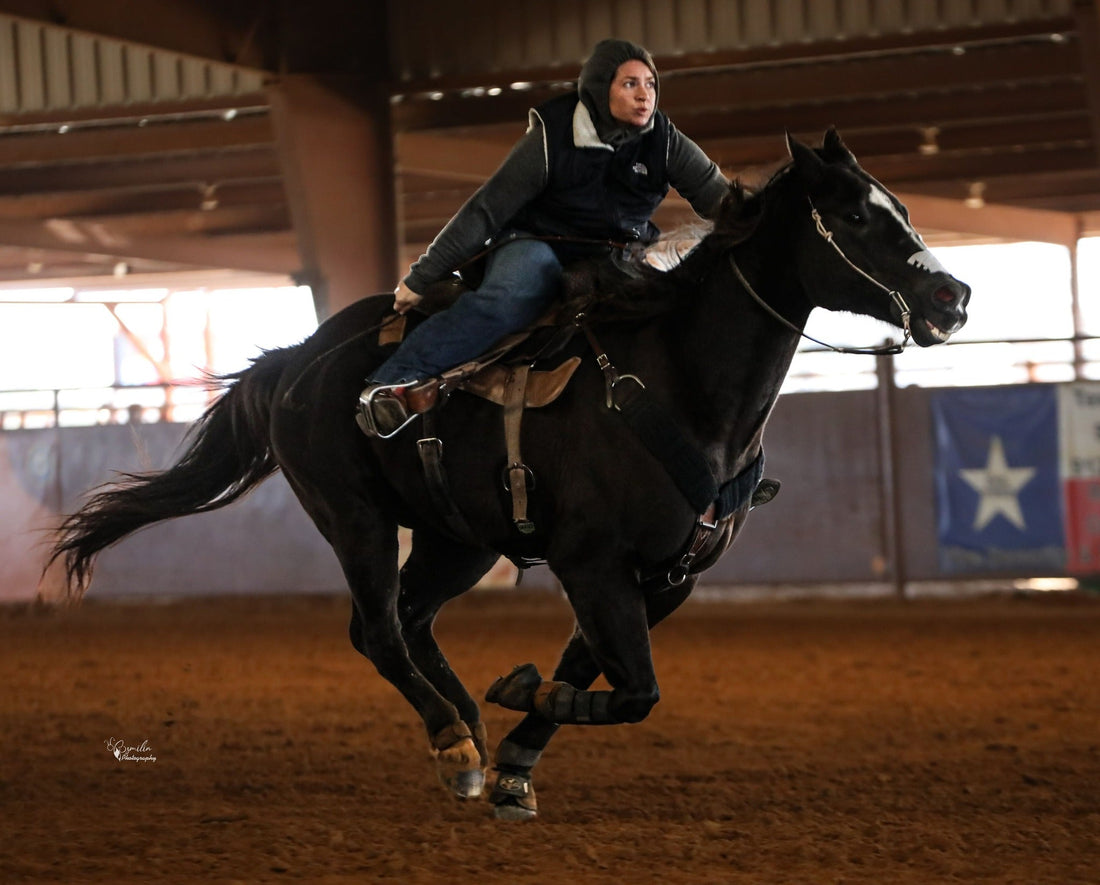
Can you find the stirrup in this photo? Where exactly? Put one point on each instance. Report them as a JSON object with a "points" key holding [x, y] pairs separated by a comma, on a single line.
{"points": [[368, 420]]}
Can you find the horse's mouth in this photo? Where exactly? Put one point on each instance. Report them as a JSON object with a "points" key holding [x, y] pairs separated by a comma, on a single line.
{"points": [[940, 335], [927, 332]]}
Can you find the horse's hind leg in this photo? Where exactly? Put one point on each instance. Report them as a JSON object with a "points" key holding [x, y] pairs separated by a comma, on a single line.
{"points": [[438, 569], [512, 793], [610, 609]]}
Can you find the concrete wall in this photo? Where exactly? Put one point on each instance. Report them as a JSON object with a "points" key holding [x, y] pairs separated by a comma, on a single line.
{"points": [[831, 521], [265, 543], [829, 524]]}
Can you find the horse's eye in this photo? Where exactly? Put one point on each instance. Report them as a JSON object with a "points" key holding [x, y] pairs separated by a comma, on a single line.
{"points": [[855, 218]]}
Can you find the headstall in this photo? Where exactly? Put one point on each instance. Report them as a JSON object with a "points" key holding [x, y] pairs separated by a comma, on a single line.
{"points": [[894, 294]]}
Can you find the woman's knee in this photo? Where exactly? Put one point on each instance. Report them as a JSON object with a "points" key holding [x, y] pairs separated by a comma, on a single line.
{"points": [[519, 284]]}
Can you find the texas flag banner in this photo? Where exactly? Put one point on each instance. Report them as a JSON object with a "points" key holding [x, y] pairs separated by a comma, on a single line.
{"points": [[1079, 423], [997, 480]]}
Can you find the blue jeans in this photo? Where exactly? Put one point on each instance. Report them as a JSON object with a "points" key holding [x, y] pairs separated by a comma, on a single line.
{"points": [[521, 280]]}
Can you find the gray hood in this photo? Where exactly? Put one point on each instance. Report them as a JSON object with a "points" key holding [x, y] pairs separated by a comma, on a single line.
{"points": [[594, 84]]}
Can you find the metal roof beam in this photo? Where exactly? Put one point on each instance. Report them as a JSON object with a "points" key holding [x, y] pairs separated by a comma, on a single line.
{"points": [[992, 103], [1003, 222], [977, 165], [101, 143], [461, 159], [134, 113], [107, 203], [269, 253], [255, 164]]}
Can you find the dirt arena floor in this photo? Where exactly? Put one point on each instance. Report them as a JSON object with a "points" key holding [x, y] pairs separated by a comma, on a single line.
{"points": [[805, 742]]}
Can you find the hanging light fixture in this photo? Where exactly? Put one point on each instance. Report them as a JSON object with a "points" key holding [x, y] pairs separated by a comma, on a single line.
{"points": [[929, 146], [975, 198], [209, 198]]}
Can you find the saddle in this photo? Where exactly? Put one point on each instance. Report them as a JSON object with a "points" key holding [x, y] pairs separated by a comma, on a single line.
{"points": [[518, 373], [486, 376], [537, 345]]}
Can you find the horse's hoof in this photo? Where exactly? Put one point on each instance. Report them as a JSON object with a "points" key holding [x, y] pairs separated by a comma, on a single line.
{"points": [[508, 811], [513, 796], [459, 768], [467, 784], [516, 691]]}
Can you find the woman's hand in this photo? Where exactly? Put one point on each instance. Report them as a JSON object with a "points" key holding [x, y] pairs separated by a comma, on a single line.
{"points": [[405, 298]]}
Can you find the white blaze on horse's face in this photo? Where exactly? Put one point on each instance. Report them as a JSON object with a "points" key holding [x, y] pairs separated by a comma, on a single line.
{"points": [[922, 258], [926, 261]]}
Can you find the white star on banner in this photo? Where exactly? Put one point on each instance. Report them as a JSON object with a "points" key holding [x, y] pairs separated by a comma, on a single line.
{"points": [[999, 487]]}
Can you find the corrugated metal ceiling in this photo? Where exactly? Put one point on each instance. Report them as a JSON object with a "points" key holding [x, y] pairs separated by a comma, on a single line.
{"points": [[524, 36], [48, 68]]}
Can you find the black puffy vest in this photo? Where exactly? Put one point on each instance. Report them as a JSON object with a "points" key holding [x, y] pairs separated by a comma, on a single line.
{"points": [[594, 192]]}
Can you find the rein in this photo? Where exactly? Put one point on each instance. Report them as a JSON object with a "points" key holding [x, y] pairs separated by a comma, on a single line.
{"points": [[546, 238], [287, 401], [895, 296]]}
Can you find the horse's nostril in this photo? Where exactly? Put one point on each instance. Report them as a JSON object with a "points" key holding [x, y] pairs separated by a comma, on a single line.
{"points": [[945, 295]]}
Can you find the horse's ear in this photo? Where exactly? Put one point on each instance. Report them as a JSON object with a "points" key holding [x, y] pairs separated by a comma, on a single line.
{"points": [[807, 163], [835, 150]]}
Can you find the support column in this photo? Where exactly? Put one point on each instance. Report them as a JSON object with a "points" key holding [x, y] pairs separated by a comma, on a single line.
{"points": [[893, 541], [336, 151], [1078, 315]]}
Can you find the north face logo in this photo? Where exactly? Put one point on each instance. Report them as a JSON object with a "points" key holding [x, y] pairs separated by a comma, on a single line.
{"points": [[640, 169]]}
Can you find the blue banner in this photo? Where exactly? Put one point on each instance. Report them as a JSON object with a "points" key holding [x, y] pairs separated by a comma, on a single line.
{"points": [[997, 480]]}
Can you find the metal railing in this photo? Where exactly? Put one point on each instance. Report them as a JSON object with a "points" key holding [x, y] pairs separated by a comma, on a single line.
{"points": [[184, 401], [179, 402]]}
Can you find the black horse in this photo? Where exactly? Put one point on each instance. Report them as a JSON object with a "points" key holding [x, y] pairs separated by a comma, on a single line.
{"points": [[631, 501]]}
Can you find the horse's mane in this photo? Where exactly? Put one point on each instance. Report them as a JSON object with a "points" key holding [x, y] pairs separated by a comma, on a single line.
{"points": [[614, 290]]}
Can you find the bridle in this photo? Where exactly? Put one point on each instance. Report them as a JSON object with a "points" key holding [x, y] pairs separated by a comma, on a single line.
{"points": [[895, 296]]}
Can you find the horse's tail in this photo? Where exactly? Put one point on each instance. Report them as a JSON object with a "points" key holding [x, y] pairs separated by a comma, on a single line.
{"points": [[228, 452]]}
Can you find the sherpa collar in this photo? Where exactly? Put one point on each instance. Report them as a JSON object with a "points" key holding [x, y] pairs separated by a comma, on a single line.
{"points": [[584, 130]]}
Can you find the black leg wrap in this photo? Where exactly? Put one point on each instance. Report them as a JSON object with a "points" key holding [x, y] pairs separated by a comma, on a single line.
{"points": [[525, 690], [512, 794], [513, 757], [561, 702]]}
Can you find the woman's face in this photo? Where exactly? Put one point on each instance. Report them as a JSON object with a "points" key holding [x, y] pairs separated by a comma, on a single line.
{"points": [[633, 95]]}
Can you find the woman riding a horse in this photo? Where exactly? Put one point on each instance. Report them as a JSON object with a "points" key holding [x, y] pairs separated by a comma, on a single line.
{"points": [[590, 171]]}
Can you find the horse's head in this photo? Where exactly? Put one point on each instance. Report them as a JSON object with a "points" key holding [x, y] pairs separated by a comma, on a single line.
{"points": [[862, 254]]}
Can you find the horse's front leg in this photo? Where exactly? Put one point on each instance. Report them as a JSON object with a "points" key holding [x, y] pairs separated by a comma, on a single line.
{"points": [[438, 569], [367, 549], [513, 794]]}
